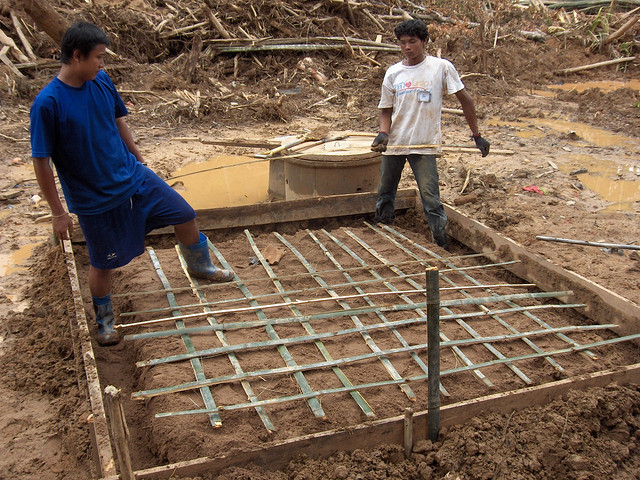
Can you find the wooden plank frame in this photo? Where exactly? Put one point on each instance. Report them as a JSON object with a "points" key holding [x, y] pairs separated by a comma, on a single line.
{"points": [[603, 306], [103, 452], [284, 211], [390, 430]]}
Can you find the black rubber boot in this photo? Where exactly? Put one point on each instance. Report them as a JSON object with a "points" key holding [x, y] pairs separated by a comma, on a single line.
{"points": [[103, 309], [199, 262], [442, 241]]}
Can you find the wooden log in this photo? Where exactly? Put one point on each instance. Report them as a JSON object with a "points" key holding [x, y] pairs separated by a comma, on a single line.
{"points": [[287, 211], [191, 64], [46, 18], [23, 39], [8, 63], [8, 41], [214, 21], [622, 30]]}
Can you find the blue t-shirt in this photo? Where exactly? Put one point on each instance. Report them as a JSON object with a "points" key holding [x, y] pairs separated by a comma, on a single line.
{"points": [[76, 128]]}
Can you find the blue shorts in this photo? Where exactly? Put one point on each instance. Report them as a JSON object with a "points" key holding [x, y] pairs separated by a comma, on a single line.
{"points": [[116, 237]]}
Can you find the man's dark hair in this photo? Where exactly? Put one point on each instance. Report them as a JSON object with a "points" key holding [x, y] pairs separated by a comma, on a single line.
{"points": [[412, 28], [82, 36]]}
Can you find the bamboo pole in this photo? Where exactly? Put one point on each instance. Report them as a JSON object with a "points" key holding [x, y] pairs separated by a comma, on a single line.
{"points": [[595, 65], [588, 243], [433, 342], [622, 30], [119, 431], [306, 275]]}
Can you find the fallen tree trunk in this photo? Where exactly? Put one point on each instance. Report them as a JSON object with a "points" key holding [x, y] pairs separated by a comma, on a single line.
{"points": [[46, 18]]}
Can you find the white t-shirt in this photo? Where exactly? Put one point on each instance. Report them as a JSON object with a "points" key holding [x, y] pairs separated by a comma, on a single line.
{"points": [[415, 94]]}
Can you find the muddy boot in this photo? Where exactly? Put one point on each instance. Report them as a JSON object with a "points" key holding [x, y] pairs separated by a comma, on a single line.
{"points": [[199, 262], [442, 241], [103, 309]]}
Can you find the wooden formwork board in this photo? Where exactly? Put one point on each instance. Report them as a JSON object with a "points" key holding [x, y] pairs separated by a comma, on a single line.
{"points": [[390, 430], [602, 305], [381, 431]]}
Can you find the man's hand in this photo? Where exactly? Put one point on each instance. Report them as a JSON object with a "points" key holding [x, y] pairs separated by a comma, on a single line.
{"points": [[380, 142], [63, 226], [482, 145]]}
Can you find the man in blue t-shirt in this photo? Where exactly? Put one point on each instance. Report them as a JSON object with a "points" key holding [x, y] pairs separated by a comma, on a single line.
{"points": [[77, 122]]}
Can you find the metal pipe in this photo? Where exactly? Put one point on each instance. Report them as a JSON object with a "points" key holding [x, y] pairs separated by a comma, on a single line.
{"points": [[586, 242]]}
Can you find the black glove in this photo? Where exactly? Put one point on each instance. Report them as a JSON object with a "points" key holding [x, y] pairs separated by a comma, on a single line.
{"points": [[380, 142], [482, 144]]}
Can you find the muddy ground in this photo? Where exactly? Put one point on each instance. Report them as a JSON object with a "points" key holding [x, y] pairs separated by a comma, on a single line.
{"points": [[550, 134]]}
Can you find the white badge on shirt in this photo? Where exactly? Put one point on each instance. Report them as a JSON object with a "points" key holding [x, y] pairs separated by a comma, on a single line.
{"points": [[424, 96]]}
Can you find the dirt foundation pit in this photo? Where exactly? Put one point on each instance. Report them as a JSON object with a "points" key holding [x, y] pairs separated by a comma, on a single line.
{"points": [[303, 342]]}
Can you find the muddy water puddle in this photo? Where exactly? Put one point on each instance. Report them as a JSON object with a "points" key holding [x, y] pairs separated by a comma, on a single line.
{"points": [[14, 260], [608, 179], [535, 128], [579, 87], [223, 181]]}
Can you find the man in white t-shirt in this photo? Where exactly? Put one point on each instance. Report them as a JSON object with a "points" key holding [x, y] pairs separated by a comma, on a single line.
{"points": [[410, 110]]}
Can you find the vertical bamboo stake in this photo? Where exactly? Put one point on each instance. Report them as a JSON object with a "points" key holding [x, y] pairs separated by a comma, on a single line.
{"points": [[408, 432], [119, 431], [433, 343]]}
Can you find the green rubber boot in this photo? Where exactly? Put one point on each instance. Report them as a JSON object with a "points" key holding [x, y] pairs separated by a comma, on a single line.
{"points": [[199, 262], [103, 309]]}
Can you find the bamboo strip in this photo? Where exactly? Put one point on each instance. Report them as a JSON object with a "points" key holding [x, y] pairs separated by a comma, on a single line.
{"points": [[256, 307], [297, 276], [144, 394], [266, 421], [470, 330], [293, 292], [414, 378], [283, 321], [509, 302], [448, 280], [357, 396], [196, 364], [380, 315], [312, 400], [354, 318], [410, 303]]}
